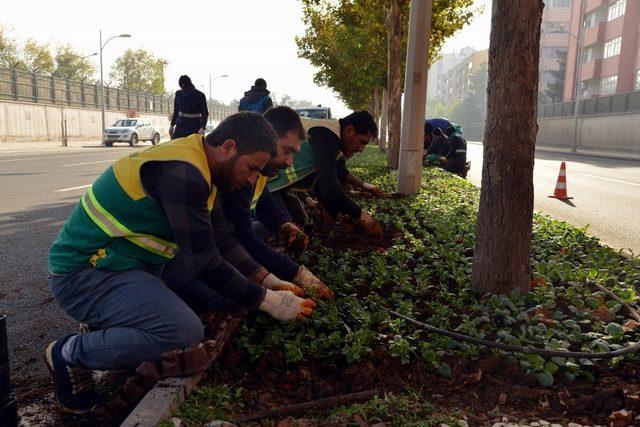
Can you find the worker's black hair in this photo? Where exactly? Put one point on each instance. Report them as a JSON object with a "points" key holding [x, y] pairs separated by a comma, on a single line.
{"points": [[284, 120], [428, 128], [362, 122], [185, 81], [250, 131], [437, 132], [260, 83]]}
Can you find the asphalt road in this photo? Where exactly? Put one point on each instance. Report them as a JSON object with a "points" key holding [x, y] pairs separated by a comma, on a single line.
{"points": [[606, 193], [37, 193]]}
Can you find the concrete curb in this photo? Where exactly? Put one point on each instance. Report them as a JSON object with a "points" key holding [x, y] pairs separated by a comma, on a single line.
{"points": [[601, 154], [164, 398]]}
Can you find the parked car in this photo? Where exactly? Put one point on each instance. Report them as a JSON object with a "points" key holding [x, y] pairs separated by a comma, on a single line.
{"points": [[318, 112], [208, 129], [131, 131]]}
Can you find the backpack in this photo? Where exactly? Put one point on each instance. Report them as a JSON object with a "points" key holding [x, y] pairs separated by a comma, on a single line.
{"points": [[256, 107]]}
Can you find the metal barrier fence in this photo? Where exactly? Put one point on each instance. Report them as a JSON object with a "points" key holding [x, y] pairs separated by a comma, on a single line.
{"points": [[18, 85], [612, 104]]}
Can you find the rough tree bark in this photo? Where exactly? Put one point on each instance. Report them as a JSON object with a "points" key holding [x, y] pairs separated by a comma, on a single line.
{"points": [[394, 78], [375, 107], [382, 139], [503, 232]]}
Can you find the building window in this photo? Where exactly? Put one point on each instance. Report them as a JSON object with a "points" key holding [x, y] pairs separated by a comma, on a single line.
{"points": [[555, 52], [608, 85], [555, 27], [559, 3], [612, 47], [616, 9], [638, 80]]}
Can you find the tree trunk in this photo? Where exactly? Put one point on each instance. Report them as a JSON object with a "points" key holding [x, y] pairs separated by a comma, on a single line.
{"points": [[503, 233], [394, 78], [375, 107], [382, 139]]}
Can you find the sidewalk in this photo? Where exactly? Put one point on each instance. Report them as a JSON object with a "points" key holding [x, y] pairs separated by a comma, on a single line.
{"points": [[8, 149], [591, 153]]}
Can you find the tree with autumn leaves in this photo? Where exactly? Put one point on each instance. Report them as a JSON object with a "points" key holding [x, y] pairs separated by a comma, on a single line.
{"points": [[359, 47]]}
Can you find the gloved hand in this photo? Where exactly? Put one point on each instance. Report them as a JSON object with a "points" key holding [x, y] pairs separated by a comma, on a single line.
{"points": [[290, 234], [275, 284], [370, 225], [317, 209], [284, 305], [312, 285], [201, 131], [372, 189]]}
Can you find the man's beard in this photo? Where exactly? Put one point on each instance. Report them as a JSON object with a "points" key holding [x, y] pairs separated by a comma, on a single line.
{"points": [[223, 175]]}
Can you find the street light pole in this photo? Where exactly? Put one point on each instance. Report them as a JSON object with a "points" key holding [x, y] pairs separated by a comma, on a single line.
{"points": [[211, 90], [102, 46], [577, 75]]}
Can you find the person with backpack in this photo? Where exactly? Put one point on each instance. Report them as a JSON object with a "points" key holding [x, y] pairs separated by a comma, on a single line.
{"points": [[257, 98]]}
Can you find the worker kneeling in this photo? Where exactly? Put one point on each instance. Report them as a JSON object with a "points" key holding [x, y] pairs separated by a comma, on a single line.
{"points": [[321, 166], [141, 212]]}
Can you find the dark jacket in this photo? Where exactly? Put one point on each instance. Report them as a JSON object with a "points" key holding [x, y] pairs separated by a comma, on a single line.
{"points": [[440, 148], [457, 155], [237, 209], [331, 172], [256, 99], [189, 101]]}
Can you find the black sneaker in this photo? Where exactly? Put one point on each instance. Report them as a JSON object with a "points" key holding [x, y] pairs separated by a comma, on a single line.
{"points": [[73, 386]]}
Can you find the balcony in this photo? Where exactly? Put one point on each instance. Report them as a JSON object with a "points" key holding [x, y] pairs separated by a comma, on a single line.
{"points": [[594, 4], [591, 70], [595, 34]]}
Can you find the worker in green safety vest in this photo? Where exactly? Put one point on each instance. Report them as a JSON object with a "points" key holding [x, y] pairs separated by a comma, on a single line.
{"points": [[320, 166], [109, 264]]}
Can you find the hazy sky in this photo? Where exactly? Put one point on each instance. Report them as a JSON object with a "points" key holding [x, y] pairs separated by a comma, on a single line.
{"points": [[242, 38]]}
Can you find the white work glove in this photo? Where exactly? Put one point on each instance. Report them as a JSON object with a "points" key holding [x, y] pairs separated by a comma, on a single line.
{"points": [[370, 225], [370, 188], [312, 285], [284, 305], [272, 282]]}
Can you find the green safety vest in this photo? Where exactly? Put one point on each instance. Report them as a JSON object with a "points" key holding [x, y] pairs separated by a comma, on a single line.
{"points": [[303, 162], [116, 226]]}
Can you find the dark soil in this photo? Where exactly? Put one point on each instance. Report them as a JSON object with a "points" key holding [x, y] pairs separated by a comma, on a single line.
{"points": [[346, 234], [484, 390]]}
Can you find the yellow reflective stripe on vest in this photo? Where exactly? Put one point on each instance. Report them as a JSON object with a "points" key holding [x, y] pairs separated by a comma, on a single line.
{"points": [[261, 184], [292, 174], [113, 228]]}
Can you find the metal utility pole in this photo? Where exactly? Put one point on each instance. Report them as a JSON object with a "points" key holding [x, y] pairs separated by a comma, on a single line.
{"points": [[210, 90], [576, 75], [102, 80], [415, 94]]}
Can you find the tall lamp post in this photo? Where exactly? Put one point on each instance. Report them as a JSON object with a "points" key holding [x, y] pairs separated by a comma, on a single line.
{"points": [[101, 76], [577, 74], [210, 89]]}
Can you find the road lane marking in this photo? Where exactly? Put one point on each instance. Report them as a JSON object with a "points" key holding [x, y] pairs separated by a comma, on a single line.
{"points": [[62, 190], [89, 163], [610, 179], [52, 157]]}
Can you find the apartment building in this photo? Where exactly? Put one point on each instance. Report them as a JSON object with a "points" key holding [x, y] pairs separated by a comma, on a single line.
{"points": [[457, 81], [438, 72], [603, 57], [554, 43]]}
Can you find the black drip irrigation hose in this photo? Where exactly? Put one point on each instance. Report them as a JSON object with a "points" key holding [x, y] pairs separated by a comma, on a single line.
{"points": [[533, 350]]}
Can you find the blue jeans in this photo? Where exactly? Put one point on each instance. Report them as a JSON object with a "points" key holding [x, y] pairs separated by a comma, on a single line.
{"points": [[133, 314]]}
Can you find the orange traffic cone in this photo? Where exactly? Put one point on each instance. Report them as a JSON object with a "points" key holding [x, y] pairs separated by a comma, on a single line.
{"points": [[561, 186]]}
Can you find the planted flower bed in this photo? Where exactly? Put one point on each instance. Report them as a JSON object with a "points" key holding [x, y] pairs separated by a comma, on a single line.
{"points": [[422, 268]]}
